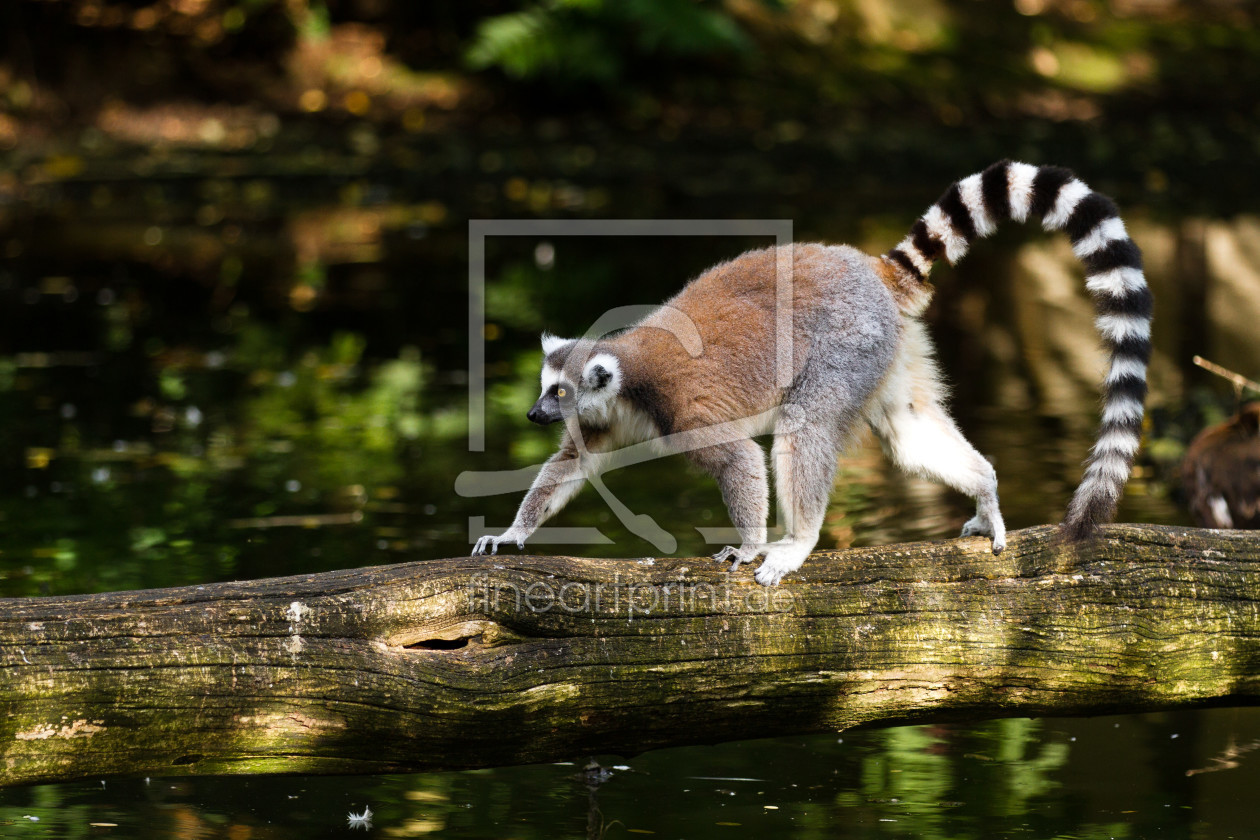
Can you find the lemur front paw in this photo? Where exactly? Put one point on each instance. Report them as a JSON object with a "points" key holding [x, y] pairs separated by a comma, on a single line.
{"points": [[743, 554], [980, 526], [782, 558], [489, 544]]}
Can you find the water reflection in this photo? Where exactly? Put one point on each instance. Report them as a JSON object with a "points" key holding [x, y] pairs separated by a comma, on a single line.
{"points": [[1176, 775]]}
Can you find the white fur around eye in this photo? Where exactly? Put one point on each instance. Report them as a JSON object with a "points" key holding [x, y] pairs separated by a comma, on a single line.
{"points": [[550, 376]]}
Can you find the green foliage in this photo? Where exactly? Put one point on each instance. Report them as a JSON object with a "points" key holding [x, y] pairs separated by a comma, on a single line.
{"points": [[512, 298], [536, 43], [311, 20], [572, 42]]}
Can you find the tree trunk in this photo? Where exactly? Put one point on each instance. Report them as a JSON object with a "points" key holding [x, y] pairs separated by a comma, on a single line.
{"points": [[487, 661]]}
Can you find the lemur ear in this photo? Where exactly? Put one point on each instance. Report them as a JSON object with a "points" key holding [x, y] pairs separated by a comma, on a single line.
{"points": [[551, 343], [600, 371], [598, 377]]}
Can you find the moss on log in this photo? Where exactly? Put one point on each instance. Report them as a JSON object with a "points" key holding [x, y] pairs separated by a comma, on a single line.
{"points": [[500, 660]]}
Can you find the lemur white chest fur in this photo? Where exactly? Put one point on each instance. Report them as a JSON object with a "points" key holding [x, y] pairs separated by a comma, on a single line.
{"points": [[702, 374]]}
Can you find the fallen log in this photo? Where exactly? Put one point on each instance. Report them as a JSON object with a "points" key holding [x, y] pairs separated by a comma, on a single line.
{"points": [[487, 661]]}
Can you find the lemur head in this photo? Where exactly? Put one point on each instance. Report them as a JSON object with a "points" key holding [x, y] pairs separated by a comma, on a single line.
{"points": [[578, 377]]}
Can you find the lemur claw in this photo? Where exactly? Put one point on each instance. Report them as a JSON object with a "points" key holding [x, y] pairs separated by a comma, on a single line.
{"points": [[984, 526], [741, 555], [490, 543]]}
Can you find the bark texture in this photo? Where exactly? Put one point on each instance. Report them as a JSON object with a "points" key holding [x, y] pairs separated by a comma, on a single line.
{"points": [[487, 661]]}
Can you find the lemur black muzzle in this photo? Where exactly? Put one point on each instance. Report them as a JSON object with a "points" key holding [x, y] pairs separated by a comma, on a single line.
{"points": [[545, 411]]}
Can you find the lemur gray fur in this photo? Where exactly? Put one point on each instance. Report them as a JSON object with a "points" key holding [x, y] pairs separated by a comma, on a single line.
{"points": [[859, 352]]}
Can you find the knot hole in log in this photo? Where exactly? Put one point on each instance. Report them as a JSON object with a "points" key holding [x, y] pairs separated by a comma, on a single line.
{"points": [[460, 636]]}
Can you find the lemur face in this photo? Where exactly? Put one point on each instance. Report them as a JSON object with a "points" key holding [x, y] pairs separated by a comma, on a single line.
{"points": [[548, 408], [587, 391]]}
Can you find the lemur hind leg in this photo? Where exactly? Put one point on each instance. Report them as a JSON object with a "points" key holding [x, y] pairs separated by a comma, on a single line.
{"points": [[851, 351], [919, 435], [804, 470], [740, 469]]}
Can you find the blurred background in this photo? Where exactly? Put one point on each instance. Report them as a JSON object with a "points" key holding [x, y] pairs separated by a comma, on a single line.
{"points": [[234, 260]]}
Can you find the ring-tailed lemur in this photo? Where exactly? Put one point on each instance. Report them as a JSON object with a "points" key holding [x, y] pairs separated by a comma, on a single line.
{"points": [[858, 352]]}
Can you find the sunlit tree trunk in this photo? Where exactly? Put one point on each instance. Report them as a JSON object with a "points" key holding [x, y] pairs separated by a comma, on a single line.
{"points": [[500, 660]]}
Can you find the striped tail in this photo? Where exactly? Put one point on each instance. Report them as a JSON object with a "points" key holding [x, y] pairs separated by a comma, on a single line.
{"points": [[973, 207]]}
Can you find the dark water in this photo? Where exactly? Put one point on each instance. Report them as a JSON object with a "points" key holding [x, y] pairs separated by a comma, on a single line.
{"points": [[1176, 775], [211, 377]]}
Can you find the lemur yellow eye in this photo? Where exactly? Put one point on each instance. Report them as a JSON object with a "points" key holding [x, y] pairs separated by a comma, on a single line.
{"points": [[560, 392]]}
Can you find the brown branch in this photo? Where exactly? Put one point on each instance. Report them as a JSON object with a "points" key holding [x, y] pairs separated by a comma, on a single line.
{"points": [[1236, 379]]}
